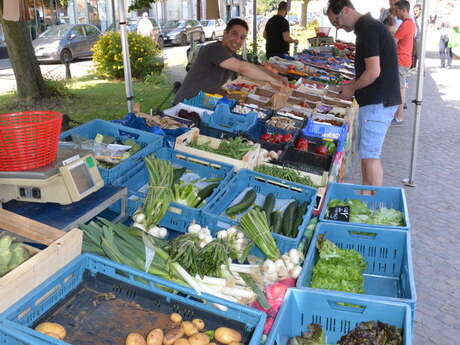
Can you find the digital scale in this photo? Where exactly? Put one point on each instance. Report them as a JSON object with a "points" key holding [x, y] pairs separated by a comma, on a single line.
{"points": [[319, 41], [70, 178]]}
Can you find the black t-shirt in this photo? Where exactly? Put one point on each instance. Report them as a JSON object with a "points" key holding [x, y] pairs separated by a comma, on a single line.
{"points": [[274, 28], [206, 74], [373, 39]]}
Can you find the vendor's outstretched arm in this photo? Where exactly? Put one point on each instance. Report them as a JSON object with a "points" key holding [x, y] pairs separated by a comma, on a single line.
{"points": [[370, 74], [253, 72]]}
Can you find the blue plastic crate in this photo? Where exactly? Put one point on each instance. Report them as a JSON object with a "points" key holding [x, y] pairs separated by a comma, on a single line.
{"points": [[130, 285], [263, 185], [135, 199], [390, 197], [150, 143], [223, 120], [178, 216], [304, 307], [204, 100], [389, 274], [327, 131]]}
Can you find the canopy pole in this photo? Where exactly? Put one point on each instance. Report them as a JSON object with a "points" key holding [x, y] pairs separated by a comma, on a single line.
{"points": [[126, 60], [418, 99], [254, 29]]}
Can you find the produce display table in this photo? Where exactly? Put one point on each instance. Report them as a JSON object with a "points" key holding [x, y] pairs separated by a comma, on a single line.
{"points": [[66, 217]]}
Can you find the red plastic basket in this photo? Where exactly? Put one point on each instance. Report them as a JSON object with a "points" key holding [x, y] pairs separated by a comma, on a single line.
{"points": [[28, 140]]}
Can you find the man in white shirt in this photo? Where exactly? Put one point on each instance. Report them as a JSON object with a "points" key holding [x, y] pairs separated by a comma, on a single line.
{"points": [[145, 27]]}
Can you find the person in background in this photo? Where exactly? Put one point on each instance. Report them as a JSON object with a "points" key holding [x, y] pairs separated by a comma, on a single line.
{"points": [[404, 38], [145, 26], [454, 41], [375, 87], [418, 34], [277, 34], [390, 12], [390, 24], [217, 62]]}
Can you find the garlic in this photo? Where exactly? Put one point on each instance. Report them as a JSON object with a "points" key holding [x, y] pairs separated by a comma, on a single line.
{"points": [[269, 266], [296, 272], [294, 256], [194, 228]]}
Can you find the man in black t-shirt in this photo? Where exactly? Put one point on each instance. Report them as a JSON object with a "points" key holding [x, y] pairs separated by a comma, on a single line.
{"points": [[376, 85], [277, 33]]}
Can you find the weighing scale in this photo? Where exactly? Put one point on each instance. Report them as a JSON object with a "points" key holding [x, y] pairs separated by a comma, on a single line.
{"points": [[70, 178], [320, 41]]}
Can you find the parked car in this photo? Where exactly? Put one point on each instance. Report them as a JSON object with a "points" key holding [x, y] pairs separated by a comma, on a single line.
{"points": [[213, 28], [183, 31], [157, 32], [66, 42]]}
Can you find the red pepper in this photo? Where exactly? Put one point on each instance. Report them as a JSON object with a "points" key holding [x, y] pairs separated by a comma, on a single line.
{"points": [[266, 137], [321, 150], [286, 138], [277, 138], [302, 144]]}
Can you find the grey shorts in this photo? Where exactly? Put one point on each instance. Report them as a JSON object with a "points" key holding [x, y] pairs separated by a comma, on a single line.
{"points": [[403, 75]]}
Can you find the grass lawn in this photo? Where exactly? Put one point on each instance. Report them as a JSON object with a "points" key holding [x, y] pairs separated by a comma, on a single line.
{"points": [[95, 98]]}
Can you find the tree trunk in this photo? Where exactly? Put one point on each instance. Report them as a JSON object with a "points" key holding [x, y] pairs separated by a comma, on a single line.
{"points": [[303, 17], [29, 80]]}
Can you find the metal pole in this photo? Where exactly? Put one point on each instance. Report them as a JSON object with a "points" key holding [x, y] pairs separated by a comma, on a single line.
{"points": [[418, 99], [126, 61], [254, 29]]}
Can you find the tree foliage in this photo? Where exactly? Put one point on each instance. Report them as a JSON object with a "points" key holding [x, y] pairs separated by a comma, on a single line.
{"points": [[264, 6], [141, 4]]}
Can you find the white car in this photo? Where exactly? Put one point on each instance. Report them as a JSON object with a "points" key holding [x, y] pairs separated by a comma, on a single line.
{"points": [[213, 28]]}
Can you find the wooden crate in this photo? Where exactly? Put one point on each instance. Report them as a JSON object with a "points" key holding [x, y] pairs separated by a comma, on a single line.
{"points": [[249, 160], [62, 248]]}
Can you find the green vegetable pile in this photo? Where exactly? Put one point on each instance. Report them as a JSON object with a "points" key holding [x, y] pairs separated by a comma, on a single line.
{"points": [[338, 269], [285, 173], [12, 254], [207, 260], [373, 333], [366, 333], [360, 213], [234, 148], [107, 139]]}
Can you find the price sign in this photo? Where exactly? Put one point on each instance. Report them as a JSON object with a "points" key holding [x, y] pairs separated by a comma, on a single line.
{"points": [[340, 213]]}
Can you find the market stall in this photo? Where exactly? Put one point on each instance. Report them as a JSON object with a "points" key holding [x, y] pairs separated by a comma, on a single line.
{"points": [[241, 229]]}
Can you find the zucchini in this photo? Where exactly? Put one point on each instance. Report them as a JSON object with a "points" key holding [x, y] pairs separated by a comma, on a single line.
{"points": [[298, 219], [269, 205], [246, 202], [276, 219], [207, 191], [288, 218]]}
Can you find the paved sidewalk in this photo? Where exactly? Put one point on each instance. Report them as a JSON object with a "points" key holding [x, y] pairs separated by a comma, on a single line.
{"points": [[434, 204]]}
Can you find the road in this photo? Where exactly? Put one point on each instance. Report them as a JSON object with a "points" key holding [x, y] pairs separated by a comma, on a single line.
{"points": [[175, 58]]}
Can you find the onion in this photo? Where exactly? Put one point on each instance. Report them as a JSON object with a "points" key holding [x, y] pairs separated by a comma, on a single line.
{"points": [[139, 226], [139, 218]]}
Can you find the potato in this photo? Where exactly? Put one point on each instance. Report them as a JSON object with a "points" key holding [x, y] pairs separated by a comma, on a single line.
{"points": [[155, 337], [176, 318], [52, 335], [189, 328], [181, 341], [135, 339], [199, 339], [52, 327], [172, 335], [227, 335], [199, 324]]}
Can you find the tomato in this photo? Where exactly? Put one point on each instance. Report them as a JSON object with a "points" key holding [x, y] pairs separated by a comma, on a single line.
{"points": [[322, 150], [266, 137]]}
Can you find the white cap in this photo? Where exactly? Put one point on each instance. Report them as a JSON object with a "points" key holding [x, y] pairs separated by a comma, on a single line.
{"points": [[145, 15]]}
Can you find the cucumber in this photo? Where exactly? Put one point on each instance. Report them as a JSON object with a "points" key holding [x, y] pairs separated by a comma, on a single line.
{"points": [[207, 191], [276, 219], [288, 218], [298, 218], [269, 204], [243, 205]]}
